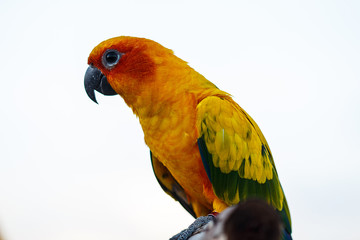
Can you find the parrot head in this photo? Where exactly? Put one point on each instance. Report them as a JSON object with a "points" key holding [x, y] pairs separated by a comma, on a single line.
{"points": [[130, 67]]}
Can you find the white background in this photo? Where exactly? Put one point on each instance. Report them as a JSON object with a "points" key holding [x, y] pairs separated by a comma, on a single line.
{"points": [[71, 169]]}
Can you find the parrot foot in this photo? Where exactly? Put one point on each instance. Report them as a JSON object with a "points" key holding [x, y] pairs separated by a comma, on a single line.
{"points": [[198, 223]]}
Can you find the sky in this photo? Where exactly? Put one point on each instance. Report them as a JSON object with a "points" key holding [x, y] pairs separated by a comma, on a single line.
{"points": [[71, 169]]}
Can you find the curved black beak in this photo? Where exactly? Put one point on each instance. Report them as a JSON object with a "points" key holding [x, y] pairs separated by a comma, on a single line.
{"points": [[95, 80]]}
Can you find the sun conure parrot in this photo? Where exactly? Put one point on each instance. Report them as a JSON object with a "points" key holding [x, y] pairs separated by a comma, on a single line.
{"points": [[206, 151]]}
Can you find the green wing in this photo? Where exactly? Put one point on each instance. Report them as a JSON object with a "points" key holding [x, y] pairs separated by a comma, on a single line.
{"points": [[236, 155]]}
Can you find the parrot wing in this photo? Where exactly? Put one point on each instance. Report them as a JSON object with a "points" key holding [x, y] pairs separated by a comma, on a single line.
{"points": [[170, 185], [236, 156]]}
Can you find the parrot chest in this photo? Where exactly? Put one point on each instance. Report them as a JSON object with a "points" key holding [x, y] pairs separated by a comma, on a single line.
{"points": [[173, 140]]}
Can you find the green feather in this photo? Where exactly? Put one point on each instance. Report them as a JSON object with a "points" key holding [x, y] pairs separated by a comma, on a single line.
{"points": [[230, 186]]}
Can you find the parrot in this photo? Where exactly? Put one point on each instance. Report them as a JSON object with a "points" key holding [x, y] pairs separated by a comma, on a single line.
{"points": [[205, 150]]}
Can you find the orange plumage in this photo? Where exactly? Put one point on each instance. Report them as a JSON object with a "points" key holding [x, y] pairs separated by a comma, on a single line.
{"points": [[207, 152], [166, 114]]}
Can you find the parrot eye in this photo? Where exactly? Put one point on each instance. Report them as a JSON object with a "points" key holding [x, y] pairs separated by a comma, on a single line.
{"points": [[110, 58]]}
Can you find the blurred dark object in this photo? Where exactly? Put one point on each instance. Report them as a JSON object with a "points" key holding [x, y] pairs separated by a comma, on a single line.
{"points": [[253, 219]]}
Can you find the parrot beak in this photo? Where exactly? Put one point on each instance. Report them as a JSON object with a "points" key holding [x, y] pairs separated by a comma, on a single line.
{"points": [[95, 80]]}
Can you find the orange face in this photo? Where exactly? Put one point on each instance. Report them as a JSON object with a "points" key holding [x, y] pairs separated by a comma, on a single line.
{"points": [[142, 71], [126, 64]]}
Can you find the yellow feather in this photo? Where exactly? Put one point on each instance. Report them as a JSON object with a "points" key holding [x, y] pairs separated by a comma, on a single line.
{"points": [[223, 166], [247, 173], [238, 162], [154, 121], [219, 141], [215, 108], [233, 151], [216, 160], [165, 124]]}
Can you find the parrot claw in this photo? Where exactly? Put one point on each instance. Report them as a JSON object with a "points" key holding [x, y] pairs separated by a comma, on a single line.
{"points": [[198, 223]]}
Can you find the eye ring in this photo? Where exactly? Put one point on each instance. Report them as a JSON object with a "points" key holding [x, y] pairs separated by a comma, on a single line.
{"points": [[110, 58]]}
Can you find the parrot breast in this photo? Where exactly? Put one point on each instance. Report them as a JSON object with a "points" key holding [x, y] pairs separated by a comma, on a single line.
{"points": [[170, 133]]}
